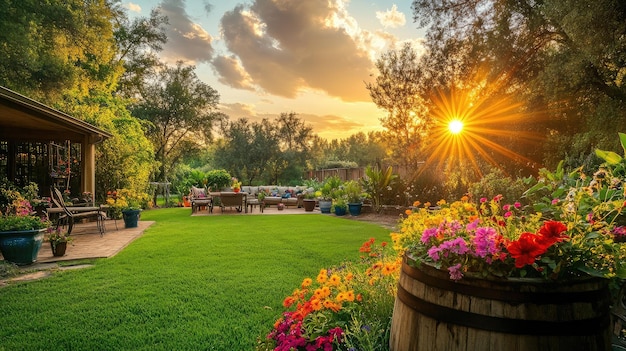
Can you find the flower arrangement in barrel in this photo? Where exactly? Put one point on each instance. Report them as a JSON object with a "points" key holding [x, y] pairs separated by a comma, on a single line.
{"points": [[342, 308], [568, 226]]}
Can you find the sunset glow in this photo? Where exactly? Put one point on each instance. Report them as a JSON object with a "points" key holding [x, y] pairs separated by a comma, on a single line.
{"points": [[455, 126], [468, 127]]}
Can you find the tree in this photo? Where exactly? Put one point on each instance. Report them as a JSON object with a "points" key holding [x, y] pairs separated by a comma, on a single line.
{"points": [[247, 149], [138, 42], [274, 152], [180, 111], [400, 89], [545, 54]]}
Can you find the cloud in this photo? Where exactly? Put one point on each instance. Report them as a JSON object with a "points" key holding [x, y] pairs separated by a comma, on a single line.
{"points": [[239, 110], [391, 18], [132, 7], [232, 73], [290, 46], [186, 40]]}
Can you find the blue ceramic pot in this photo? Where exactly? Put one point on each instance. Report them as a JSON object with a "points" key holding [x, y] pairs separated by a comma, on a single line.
{"points": [[21, 247]]}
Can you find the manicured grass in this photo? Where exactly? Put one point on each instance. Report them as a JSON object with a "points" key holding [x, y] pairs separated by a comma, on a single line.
{"points": [[189, 283]]}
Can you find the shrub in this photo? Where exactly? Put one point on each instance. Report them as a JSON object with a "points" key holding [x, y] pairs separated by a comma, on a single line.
{"points": [[218, 179], [496, 183]]}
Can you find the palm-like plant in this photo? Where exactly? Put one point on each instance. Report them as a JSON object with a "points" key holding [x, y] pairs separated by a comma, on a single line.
{"points": [[375, 182]]}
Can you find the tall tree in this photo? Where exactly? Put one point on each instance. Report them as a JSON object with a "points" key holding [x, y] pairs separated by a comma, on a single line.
{"points": [[399, 89], [180, 111], [138, 43], [248, 148]]}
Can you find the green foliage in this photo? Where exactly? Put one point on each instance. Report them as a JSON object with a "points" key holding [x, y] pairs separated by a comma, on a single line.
{"points": [[269, 152], [179, 111], [354, 191], [126, 160], [339, 164], [18, 223], [375, 184], [218, 179], [329, 186], [496, 183]]}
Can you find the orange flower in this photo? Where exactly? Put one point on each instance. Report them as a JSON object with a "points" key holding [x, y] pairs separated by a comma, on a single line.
{"points": [[325, 291], [316, 304], [349, 295], [306, 282], [349, 276], [334, 280], [322, 276], [288, 301]]}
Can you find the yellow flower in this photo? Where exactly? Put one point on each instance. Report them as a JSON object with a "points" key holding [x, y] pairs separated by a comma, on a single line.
{"points": [[334, 280], [325, 291], [322, 277], [349, 295], [340, 297], [316, 304], [306, 282]]}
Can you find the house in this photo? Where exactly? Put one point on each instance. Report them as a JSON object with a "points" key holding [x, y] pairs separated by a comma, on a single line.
{"points": [[46, 146]]}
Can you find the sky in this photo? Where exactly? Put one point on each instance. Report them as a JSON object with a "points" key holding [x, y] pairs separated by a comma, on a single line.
{"points": [[267, 57]]}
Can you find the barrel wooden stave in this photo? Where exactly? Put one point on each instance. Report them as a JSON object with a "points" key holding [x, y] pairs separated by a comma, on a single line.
{"points": [[414, 331]]}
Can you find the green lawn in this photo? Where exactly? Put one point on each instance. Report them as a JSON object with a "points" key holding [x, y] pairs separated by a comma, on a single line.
{"points": [[189, 283]]}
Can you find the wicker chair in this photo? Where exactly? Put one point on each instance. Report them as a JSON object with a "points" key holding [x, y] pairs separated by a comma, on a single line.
{"points": [[199, 198]]}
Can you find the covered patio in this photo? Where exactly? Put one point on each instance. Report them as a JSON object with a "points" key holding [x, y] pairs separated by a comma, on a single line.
{"points": [[42, 145]]}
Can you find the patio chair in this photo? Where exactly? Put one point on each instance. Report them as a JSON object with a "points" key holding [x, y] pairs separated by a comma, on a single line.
{"points": [[233, 199], [199, 198], [69, 216]]}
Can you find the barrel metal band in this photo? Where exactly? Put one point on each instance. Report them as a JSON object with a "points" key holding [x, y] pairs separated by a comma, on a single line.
{"points": [[512, 297], [449, 315]]}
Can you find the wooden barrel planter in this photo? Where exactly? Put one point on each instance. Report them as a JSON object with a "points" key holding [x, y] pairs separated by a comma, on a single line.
{"points": [[432, 313]]}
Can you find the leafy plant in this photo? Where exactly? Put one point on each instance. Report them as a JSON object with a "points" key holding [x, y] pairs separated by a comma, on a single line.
{"points": [[354, 191], [218, 179], [56, 236], [330, 185], [19, 223], [375, 183]]}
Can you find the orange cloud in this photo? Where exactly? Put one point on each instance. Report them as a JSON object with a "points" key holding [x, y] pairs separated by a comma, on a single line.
{"points": [[186, 40], [289, 46]]}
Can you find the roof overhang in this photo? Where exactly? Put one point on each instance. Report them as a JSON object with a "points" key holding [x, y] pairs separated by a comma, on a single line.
{"points": [[22, 118]]}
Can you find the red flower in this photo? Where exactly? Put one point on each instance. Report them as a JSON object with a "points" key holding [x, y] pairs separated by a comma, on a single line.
{"points": [[552, 232], [526, 249]]}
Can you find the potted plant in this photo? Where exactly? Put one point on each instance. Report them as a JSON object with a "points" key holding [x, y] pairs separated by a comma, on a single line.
{"points": [[340, 206], [58, 241], [330, 185], [308, 202], [21, 234], [236, 185], [128, 204], [564, 242], [354, 194]]}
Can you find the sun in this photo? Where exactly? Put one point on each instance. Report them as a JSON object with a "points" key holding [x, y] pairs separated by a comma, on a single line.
{"points": [[455, 126]]}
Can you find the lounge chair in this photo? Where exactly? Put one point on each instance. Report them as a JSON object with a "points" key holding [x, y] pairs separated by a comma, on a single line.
{"points": [[70, 215]]}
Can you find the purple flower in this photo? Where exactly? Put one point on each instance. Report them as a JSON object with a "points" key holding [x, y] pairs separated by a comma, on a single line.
{"points": [[456, 246], [472, 226], [429, 233], [484, 241], [455, 272], [433, 252]]}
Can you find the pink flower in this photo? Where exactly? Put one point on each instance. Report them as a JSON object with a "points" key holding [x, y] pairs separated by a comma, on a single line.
{"points": [[555, 201], [455, 272]]}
